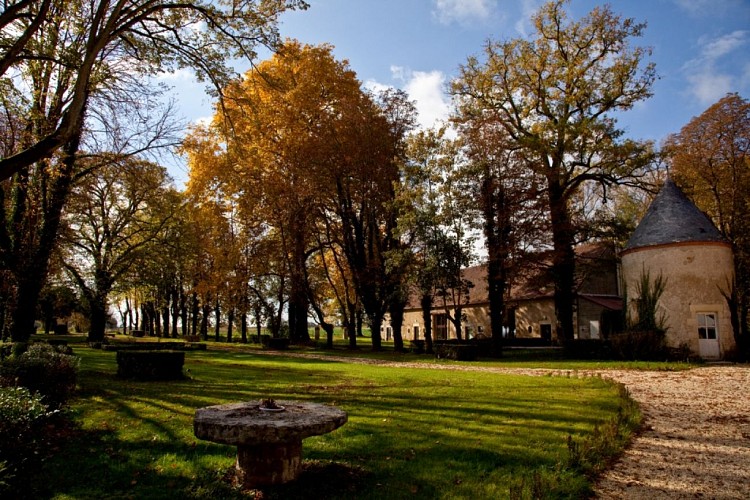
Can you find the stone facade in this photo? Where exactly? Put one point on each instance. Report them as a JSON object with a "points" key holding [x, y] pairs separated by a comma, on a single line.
{"points": [[696, 273]]}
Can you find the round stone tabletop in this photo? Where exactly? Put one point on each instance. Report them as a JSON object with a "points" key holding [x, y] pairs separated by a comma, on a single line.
{"points": [[245, 424]]}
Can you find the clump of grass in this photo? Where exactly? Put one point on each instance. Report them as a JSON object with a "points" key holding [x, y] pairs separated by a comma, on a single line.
{"points": [[587, 457]]}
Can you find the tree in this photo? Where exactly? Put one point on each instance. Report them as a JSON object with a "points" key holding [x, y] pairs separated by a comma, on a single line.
{"points": [[66, 65], [88, 42], [710, 159], [301, 142], [555, 95], [111, 217]]}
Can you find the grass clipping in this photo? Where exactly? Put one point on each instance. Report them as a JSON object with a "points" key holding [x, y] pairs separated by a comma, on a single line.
{"points": [[586, 458]]}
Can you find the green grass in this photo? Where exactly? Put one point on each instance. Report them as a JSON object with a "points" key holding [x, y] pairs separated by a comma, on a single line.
{"points": [[412, 433]]}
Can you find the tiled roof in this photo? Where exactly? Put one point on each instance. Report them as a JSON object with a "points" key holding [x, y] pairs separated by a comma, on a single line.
{"points": [[533, 280], [672, 218]]}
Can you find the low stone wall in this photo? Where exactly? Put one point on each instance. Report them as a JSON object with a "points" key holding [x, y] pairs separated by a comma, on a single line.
{"points": [[150, 365], [155, 346]]}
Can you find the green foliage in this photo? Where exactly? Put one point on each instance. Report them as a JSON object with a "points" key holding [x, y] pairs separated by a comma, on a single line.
{"points": [[20, 415], [644, 338], [649, 292], [49, 370]]}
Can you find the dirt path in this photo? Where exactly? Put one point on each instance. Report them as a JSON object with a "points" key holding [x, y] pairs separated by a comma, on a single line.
{"points": [[695, 441]]}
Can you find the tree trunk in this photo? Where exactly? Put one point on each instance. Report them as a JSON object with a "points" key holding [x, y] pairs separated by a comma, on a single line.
{"points": [[351, 325], [206, 310], [563, 262], [97, 316], [426, 305], [243, 327], [165, 320], [456, 319], [195, 311], [397, 322], [217, 313], [230, 325], [328, 328], [497, 230], [376, 321], [30, 275]]}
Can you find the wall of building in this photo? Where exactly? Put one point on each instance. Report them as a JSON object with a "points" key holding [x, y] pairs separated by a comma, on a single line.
{"points": [[696, 274], [533, 316]]}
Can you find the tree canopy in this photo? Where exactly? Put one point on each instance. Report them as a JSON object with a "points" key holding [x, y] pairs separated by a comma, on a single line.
{"points": [[555, 95]]}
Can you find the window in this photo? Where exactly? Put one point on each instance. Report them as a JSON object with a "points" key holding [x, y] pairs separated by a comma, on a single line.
{"points": [[707, 326], [440, 326]]}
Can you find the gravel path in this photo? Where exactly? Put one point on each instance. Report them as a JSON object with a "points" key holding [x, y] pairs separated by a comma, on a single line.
{"points": [[695, 441], [696, 437]]}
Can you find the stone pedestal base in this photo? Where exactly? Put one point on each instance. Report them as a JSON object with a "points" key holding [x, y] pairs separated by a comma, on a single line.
{"points": [[268, 464]]}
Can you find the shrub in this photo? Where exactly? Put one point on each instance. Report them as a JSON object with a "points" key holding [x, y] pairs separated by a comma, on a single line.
{"points": [[457, 352], [21, 414], [632, 345], [49, 370]]}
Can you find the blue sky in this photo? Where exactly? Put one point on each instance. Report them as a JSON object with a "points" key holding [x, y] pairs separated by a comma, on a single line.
{"points": [[701, 49]]}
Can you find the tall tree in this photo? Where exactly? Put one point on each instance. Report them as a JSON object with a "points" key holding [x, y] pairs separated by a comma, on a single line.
{"points": [[111, 218], [710, 159], [555, 95], [300, 137]]}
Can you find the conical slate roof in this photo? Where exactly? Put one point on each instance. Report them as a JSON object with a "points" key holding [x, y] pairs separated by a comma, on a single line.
{"points": [[672, 218]]}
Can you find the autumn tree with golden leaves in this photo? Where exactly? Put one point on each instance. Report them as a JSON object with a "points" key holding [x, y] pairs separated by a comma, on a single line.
{"points": [[710, 159], [555, 95]]}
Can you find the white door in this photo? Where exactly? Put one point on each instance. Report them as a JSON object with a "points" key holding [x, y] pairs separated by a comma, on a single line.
{"points": [[708, 336], [593, 329]]}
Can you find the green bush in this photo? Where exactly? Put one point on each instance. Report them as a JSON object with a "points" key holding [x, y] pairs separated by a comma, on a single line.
{"points": [[49, 370], [21, 416], [637, 345]]}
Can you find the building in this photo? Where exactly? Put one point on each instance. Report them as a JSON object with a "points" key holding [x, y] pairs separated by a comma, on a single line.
{"points": [[678, 241], [530, 302], [674, 239]]}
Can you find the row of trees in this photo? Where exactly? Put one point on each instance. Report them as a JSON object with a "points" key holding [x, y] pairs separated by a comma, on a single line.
{"points": [[331, 174], [76, 97]]}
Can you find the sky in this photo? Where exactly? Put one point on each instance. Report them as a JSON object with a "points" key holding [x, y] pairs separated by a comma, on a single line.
{"points": [[701, 49]]}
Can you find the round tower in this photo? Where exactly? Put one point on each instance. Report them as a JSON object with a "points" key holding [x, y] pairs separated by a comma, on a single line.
{"points": [[678, 241]]}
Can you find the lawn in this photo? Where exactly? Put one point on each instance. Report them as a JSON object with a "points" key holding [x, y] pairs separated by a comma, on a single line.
{"points": [[412, 433]]}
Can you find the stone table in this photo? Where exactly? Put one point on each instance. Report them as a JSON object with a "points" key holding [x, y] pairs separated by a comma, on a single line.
{"points": [[269, 443]]}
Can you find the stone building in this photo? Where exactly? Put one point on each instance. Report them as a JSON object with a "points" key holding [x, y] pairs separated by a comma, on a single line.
{"points": [[675, 239], [530, 302]]}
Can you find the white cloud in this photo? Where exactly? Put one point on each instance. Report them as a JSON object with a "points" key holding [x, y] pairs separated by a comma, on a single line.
{"points": [[178, 75], [707, 82], [462, 11], [427, 89], [713, 49], [528, 9]]}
